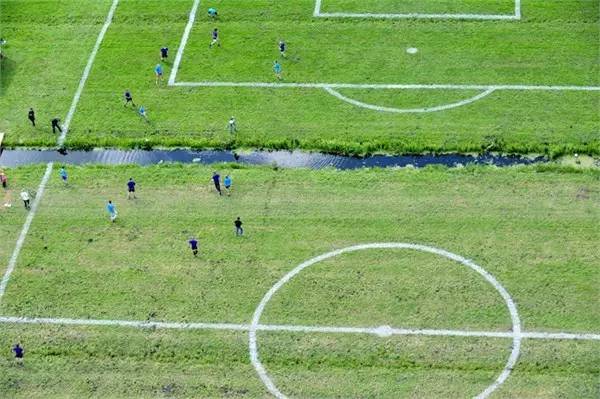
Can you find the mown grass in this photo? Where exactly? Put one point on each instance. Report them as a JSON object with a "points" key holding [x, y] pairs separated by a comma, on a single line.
{"points": [[533, 228], [552, 45]]}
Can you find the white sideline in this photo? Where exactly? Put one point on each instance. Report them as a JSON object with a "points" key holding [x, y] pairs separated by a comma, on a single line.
{"points": [[183, 43], [408, 110], [86, 73], [21, 240], [61, 139], [382, 331]]}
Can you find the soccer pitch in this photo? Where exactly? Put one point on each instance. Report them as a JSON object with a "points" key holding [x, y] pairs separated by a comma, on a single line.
{"points": [[514, 76], [490, 289]]}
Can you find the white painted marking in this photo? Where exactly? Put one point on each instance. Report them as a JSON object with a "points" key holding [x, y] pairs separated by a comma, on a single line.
{"points": [[61, 139], [388, 86], [482, 17], [516, 322], [317, 10], [408, 110], [21, 240], [518, 9], [412, 50], [86, 73], [183, 43], [382, 331]]}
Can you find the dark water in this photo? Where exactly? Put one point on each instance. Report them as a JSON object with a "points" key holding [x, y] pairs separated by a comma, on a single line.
{"points": [[285, 159]]}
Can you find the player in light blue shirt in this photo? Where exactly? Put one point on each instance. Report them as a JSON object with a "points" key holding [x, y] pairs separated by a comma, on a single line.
{"points": [[63, 175], [212, 12], [277, 69], [227, 183], [159, 73], [112, 210]]}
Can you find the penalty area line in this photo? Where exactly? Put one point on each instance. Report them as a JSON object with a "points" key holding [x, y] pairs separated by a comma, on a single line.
{"points": [[382, 331]]}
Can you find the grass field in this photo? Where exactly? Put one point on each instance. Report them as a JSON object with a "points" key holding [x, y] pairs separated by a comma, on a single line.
{"points": [[555, 43], [533, 228]]}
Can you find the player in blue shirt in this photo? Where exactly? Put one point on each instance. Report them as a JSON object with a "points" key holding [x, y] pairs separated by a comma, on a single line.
{"points": [[277, 69], [63, 174], [215, 38], [142, 112], [131, 188], [212, 13], [193, 245], [19, 352], [227, 183], [159, 73], [217, 180], [112, 211]]}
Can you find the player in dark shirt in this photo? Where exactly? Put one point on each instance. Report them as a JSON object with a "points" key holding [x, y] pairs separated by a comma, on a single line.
{"points": [[164, 53], [31, 116], [238, 227], [19, 352], [217, 180], [55, 125], [282, 48], [131, 188], [128, 98], [215, 38], [193, 245]]}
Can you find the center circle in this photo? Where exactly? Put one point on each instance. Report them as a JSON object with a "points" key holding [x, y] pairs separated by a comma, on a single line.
{"points": [[512, 309]]}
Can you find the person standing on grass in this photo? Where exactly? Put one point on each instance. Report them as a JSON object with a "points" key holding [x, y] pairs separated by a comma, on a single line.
{"points": [[31, 116], [142, 112], [128, 98], [215, 38], [212, 13], [227, 184], [131, 188], [193, 243], [164, 53], [55, 125], [232, 125], [238, 227], [277, 69], [26, 199], [19, 353], [63, 174], [217, 180], [282, 48], [3, 180], [112, 211], [158, 70]]}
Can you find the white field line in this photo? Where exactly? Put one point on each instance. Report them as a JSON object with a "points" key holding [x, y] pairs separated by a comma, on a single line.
{"points": [[183, 43], [317, 10], [408, 110], [482, 17], [21, 240], [518, 9], [86, 73], [61, 139], [382, 331], [389, 86]]}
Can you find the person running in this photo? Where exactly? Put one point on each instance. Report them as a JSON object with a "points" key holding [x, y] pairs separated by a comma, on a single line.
{"points": [[212, 13], [26, 199], [227, 184], [142, 112], [128, 98], [215, 39], [232, 125], [19, 352], [217, 180], [63, 174], [193, 245], [164, 53], [31, 116], [158, 70], [277, 69], [3, 180], [238, 227], [112, 211], [55, 125], [282, 48], [131, 188]]}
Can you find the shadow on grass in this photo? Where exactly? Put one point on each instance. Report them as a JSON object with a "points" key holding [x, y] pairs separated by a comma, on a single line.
{"points": [[8, 68]]}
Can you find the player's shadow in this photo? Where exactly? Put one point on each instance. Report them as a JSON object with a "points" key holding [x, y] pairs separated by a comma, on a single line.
{"points": [[8, 68]]}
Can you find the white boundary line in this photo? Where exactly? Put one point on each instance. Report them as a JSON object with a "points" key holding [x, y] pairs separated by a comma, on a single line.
{"points": [[382, 331], [21, 240], [61, 139], [515, 16], [183, 43], [86, 73], [408, 110], [512, 309]]}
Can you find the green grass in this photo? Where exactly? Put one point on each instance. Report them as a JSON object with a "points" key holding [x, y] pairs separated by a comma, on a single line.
{"points": [[552, 45], [533, 228]]}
